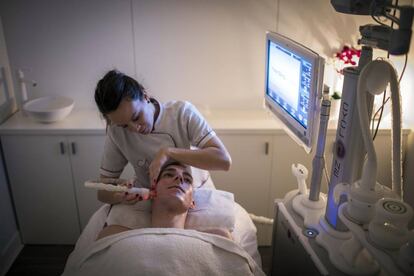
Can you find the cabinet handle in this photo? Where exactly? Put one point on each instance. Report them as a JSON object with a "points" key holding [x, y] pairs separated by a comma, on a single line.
{"points": [[73, 148], [267, 148], [62, 148]]}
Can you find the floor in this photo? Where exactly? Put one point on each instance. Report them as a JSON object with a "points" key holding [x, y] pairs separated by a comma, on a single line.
{"points": [[40, 260], [49, 260]]}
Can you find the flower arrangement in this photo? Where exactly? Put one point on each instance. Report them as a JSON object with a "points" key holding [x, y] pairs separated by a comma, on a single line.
{"points": [[347, 56]]}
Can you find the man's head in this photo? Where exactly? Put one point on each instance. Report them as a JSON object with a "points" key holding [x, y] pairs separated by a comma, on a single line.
{"points": [[174, 188]]}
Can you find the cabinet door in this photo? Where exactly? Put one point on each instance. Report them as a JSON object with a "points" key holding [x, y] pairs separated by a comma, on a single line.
{"points": [[287, 152], [249, 175], [383, 147], [85, 154], [41, 183]]}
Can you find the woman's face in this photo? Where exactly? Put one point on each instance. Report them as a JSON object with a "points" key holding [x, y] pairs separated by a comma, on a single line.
{"points": [[135, 115], [175, 185]]}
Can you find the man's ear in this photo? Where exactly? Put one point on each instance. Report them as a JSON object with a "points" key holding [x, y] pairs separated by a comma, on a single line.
{"points": [[193, 205]]}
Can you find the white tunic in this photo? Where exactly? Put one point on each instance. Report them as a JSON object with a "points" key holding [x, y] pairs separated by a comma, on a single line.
{"points": [[179, 124]]}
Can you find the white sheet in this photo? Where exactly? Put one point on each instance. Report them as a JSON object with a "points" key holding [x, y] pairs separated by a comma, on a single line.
{"points": [[244, 233], [162, 251]]}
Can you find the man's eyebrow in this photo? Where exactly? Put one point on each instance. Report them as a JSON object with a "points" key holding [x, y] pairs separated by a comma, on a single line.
{"points": [[169, 170], [175, 170], [188, 174]]}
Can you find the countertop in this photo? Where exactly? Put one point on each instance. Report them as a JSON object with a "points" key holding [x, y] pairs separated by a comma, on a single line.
{"points": [[89, 122]]}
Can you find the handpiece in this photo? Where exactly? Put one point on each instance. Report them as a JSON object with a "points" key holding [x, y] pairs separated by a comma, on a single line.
{"points": [[144, 192]]}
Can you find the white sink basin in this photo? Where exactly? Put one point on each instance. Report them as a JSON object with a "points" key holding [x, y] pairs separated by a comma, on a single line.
{"points": [[49, 109]]}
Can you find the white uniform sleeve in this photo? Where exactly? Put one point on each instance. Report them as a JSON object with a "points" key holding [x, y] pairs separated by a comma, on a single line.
{"points": [[113, 161], [199, 132]]}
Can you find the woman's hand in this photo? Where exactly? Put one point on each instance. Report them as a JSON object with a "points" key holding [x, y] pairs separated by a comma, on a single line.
{"points": [[156, 165], [128, 198]]}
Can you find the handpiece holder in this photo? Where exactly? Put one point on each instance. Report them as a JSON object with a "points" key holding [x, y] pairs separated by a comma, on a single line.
{"points": [[309, 210], [374, 79], [310, 206], [318, 162], [387, 229], [365, 192]]}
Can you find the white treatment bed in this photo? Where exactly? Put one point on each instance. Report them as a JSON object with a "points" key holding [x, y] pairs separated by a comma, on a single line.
{"points": [[166, 251]]}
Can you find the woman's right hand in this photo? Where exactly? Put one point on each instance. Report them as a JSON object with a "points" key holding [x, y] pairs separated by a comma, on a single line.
{"points": [[128, 198]]}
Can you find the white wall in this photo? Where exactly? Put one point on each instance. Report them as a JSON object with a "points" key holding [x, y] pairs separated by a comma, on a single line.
{"points": [[317, 25], [68, 45], [208, 52], [10, 243]]}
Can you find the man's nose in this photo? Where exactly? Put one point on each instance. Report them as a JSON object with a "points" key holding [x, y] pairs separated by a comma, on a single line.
{"points": [[180, 178]]}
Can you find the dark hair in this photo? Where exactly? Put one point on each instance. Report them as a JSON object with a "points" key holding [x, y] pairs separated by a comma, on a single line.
{"points": [[114, 87], [172, 162]]}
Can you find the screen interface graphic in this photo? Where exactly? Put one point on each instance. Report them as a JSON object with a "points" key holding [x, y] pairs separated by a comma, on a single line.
{"points": [[289, 81]]}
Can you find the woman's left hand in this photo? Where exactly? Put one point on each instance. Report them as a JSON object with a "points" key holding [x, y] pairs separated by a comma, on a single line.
{"points": [[156, 164]]}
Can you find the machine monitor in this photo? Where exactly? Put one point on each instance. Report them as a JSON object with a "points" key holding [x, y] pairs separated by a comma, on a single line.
{"points": [[293, 87]]}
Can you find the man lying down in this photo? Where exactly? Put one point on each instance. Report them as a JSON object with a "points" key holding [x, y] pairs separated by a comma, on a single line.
{"points": [[166, 248], [171, 201]]}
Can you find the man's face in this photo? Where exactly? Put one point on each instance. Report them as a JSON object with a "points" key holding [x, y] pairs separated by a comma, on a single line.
{"points": [[135, 115], [175, 187]]}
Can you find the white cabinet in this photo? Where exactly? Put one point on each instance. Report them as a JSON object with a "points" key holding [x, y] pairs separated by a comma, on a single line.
{"points": [[47, 166], [249, 175], [287, 152], [46, 175], [85, 157]]}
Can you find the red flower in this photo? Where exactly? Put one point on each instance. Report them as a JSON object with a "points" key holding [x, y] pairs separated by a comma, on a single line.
{"points": [[348, 55]]}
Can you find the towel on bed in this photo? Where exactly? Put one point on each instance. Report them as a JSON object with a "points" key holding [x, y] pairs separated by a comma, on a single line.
{"points": [[213, 209], [161, 251]]}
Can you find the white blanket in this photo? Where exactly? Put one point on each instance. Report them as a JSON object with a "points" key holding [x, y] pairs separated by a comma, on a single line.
{"points": [[161, 251], [244, 233]]}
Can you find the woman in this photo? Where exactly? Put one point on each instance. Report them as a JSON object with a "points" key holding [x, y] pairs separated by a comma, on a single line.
{"points": [[147, 133]]}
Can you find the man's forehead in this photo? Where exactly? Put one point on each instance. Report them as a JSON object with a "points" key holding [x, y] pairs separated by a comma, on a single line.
{"points": [[176, 168]]}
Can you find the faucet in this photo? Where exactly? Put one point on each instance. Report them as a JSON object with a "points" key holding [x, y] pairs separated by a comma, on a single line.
{"points": [[23, 89]]}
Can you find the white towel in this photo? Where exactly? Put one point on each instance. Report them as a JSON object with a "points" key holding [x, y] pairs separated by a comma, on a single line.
{"points": [[162, 251]]}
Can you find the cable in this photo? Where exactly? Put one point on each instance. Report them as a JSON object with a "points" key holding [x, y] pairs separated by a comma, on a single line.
{"points": [[404, 67], [378, 21], [384, 100], [381, 110], [373, 8], [325, 170]]}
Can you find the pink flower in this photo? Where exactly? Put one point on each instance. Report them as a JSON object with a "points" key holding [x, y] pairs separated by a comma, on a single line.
{"points": [[347, 56]]}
